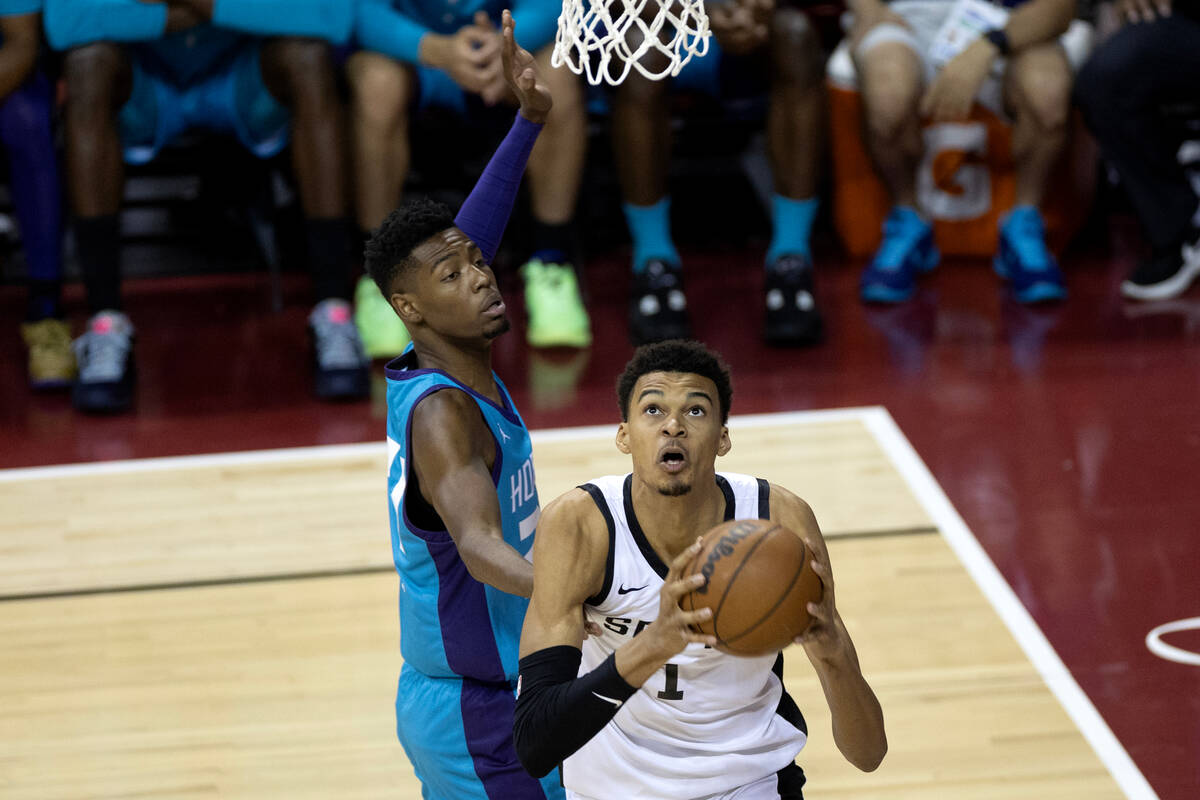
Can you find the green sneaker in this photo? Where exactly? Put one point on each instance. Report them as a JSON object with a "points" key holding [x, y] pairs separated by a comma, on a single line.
{"points": [[382, 333], [556, 316]]}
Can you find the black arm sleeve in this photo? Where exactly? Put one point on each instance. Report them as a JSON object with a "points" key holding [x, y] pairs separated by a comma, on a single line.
{"points": [[557, 713]]}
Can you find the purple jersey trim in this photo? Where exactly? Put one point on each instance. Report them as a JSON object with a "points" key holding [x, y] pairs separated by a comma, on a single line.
{"points": [[487, 713]]}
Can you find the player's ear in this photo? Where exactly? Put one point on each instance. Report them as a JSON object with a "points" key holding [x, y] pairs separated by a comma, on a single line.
{"points": [[405, 305], [725, 444], [623, 438]]}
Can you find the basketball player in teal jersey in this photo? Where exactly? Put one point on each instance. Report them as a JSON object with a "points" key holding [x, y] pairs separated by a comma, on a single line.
{"points": [[463, 506], [648, 709]]}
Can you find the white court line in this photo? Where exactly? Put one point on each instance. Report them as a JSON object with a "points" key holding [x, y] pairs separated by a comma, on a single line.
{"points": [[332, 452], [880, 423], [1022, 626]]}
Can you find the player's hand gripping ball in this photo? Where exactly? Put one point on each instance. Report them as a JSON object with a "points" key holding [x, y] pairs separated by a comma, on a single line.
{"points": [[759, 581]]}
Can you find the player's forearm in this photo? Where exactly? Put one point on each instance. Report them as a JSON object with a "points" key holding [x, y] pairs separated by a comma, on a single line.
{"points": [[491, 560], [484, 215], [1037, 22], [331, 20], [381, 28], [557, 713], [858, 728], [641, 657]]}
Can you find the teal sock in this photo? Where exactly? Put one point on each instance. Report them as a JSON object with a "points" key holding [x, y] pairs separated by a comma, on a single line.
{"points": [[650, 229], [793, 222]]}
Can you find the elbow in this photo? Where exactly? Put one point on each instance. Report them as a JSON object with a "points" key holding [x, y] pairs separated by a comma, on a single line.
{"points": [[526, 746], [870, 761]]}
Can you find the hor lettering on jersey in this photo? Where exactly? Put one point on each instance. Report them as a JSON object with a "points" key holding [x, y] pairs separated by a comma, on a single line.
{"points": [[523, 486]]}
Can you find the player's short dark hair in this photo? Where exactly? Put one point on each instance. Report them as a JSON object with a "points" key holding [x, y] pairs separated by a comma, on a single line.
{"points": [[388, 252], [676, 355]]}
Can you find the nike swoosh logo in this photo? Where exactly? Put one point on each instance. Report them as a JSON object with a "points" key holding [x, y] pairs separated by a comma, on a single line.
{"points": [[616, 703], [623, 590]]}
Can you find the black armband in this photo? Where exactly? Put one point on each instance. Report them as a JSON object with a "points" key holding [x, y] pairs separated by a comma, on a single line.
{"points": [[557, 712]]}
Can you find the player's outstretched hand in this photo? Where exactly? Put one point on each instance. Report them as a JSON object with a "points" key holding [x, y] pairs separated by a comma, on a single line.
{"points": [[521, 73], [673, 630], [822, 639]]}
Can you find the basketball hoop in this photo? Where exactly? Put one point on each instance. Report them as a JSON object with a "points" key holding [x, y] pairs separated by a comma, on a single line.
{"points": [[605, 38]]}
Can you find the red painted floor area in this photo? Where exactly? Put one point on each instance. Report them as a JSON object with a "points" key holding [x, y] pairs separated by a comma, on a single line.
{"points": [[1068, 438]]}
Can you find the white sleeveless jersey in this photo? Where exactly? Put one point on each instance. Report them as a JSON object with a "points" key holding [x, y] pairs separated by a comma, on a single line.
{"points": [[706, 722]]}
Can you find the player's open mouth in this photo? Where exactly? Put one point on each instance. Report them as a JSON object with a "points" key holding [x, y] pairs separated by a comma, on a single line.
{"points": [[672, 460], [494, 307]]}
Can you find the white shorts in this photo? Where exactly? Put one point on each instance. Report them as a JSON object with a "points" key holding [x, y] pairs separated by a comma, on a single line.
{"points": [[763, 789], [925, 17]]}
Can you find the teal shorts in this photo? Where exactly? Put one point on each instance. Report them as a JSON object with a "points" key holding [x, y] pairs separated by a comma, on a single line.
{"points": [[232, 99], [457, 733]]}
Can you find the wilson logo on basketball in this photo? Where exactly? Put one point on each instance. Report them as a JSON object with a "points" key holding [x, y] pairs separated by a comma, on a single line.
{"points": [[724, 547]]}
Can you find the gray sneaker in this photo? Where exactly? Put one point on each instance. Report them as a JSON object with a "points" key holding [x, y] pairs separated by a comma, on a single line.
{"points": [[341, 370], [105, 357]]}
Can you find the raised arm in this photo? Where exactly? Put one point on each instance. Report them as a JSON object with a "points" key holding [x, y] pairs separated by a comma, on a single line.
{"points": [[19, 36], [558, 712], [857, 716], [485, 212], [451, 450]]}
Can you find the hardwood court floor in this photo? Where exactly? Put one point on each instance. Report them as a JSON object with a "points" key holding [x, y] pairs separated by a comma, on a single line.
{"points": [[276, 679]]}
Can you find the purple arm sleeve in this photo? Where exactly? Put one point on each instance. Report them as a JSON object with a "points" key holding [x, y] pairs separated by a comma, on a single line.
{"points": [[485, 212]]}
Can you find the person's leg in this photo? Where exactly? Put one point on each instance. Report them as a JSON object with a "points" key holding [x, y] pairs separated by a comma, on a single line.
{"points": [[382, 92], [795, 141], [100, 80], [25, 131], [1121, 91], [299, 73], [641, 134], [891, 76], [1037, 88], [553, 303]]}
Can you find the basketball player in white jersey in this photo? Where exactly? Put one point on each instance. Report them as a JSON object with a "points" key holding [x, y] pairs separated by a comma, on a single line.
{"points": [[649, 709]]}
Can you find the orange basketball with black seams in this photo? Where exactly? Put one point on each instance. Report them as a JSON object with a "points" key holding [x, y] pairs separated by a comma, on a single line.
{"points": [[759, 581]]}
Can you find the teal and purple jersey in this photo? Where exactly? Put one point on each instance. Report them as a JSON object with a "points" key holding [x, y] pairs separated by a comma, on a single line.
{"points": [[452, 625]]}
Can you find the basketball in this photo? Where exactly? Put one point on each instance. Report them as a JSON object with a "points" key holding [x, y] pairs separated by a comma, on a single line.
{"points": [[759, 581]]}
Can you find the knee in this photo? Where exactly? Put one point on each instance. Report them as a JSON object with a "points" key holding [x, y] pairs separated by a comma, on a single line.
{"points": [[92, 73], [1046, 97], [382, 90], [305, 66], [888, 112], [796, 55]]}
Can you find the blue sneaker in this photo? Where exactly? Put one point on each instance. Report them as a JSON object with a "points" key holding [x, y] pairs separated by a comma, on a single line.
{"points": [[906, 251], [1024, 261]]}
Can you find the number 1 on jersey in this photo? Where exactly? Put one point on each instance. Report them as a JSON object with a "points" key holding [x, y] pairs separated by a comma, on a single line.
{"points": [[671, 689]]}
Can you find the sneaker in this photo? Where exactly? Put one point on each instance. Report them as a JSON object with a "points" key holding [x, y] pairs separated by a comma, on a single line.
{"points": [[51, 361], [106, 369], [1168, 273], [792, 316], [382, 333], [906, 251], [657, 306], [553, 306], [341, 370], [1023, 259]]}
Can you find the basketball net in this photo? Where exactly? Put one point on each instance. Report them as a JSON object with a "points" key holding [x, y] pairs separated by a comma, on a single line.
{"points": [[605, 38]]}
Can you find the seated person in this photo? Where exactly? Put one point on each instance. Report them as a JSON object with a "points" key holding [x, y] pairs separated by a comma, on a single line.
{"points": [[1153, 61], [420, 54], [26, 104], [763, 44], [901, 85], [141, 73]]}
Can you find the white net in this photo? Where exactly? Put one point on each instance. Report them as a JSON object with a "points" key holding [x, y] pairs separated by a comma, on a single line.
{"points": [[604, 39]]}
